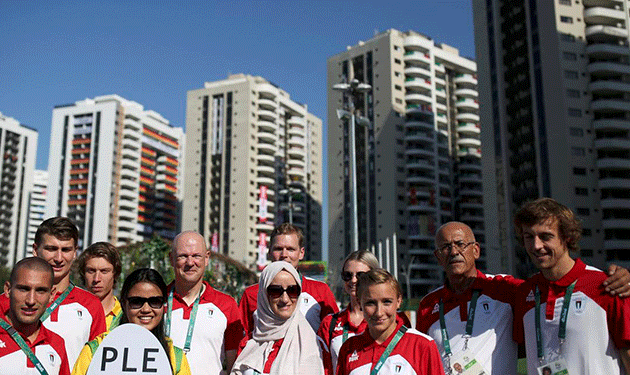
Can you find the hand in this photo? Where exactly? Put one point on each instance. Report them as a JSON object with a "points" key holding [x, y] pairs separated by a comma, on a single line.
{"points": [[618, 282]]}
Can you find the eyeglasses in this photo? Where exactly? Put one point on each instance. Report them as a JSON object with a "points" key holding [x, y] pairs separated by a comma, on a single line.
{"points": [[136, 303], [347, 275], [458, 245], [275, 291]]}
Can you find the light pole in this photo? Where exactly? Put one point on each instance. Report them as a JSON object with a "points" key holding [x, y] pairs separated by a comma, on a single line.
{"points": [[353, 89]]}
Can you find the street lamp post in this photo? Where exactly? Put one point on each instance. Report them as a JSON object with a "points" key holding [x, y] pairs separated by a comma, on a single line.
{"points": [[353, 89]]}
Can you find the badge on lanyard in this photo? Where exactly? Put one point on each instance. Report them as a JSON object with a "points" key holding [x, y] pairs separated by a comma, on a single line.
{"points": [[465, 363], [557, 367]]}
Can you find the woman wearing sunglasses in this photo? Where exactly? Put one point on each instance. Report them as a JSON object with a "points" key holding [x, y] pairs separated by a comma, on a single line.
{"points": [[142, 298], [387, 346], [283, 342], [336, 328]]}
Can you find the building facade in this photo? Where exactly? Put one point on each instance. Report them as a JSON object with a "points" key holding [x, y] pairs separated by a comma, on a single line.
{"points": [[418, 159], [556, 107], [18, 148], [253, 161], [115, 169], [36, 208]]}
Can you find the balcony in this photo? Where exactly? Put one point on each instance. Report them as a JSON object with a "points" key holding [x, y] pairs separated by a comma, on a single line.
{"points": [[616, 223], [417, 72], [611, 125], [267, 148], [417, 57], [267, 104], [613, 163], [609, 87], [296, 152], [418, 99], [419, 124], [266, 115], [614, 244], [267, 181], [420, 164], [612, 144], [418, 136], [266, 158], [604, 16], [614, 183], [610, 105], [423, 179], [469, 142], [468, 79], [608, 69], [467, 104], [266, 170], [419, 152], [468, 128], [267, 90], [467, 93], [418, 84], [600, 33], [268, 126], [267, 137], [615, 203], [297, 121], [467, 117], [296, 141], [600, 50]]}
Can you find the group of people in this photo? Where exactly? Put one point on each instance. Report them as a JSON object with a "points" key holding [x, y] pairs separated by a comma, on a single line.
{"points": [[569, 318]]}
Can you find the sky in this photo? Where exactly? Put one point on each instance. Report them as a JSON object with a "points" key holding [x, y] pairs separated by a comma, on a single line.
{"points": [[153, 52]]}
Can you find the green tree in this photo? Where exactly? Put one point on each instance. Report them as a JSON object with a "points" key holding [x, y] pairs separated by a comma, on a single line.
{"points": [[153, 253]]}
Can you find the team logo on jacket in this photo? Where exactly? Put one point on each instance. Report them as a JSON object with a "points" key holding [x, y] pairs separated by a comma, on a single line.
{"points": [[397, 369], [339, 327], [2, 344], [80, 314], [486, 308], [51, 358], [530, 296], [436, 308], [353, 357], [579, 304], [210, 312], [305, 300]]}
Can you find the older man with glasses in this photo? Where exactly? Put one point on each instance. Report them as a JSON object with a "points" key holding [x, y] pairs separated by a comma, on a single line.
{"points": [[470, 317]]}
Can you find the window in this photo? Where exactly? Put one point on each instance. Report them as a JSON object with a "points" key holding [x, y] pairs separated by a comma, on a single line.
{"points": [[575, 112], [397, 61], [571, 93], [567, 37], [396, 48], [576, 132], [569, 56], [571, 74], [586, 253], [565, 2], [565, 19], [578, 151], [583, 211], [581, 191], [397, 74], [586, 232], [579, 171], [398, 101], [398, 87]]}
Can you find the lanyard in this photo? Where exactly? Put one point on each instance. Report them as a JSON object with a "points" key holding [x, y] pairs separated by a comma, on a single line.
{"points": [[388, 350], [564, 316], [56, 302], [22, 344], [191, 322], [469, 324], [116, 320], [345, 333]]}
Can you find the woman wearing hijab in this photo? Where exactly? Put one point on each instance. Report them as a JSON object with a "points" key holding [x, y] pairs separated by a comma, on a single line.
{"points": [[283, 342]]}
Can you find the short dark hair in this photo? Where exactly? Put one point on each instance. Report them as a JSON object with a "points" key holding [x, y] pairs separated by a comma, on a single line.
{"points": [[377, 276], [543, 209], [100, 250], [288, 228], [60, 227], [32, 263]]}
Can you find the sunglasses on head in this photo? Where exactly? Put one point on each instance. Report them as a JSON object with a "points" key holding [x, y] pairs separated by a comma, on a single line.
{"points": [[347, 275], [275, 291], [136, 303]]}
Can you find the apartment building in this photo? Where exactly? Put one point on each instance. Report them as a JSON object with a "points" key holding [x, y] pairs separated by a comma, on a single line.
{"points": [[18, 148], [115, 169], [253, 161], [556, 107], [418, 157], [36, 208]]}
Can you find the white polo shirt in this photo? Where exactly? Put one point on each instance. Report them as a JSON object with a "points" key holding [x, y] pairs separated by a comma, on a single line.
{"points": [[48, 347]]}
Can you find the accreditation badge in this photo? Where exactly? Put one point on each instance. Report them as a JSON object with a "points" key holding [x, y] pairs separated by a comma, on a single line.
{"points": [[466, 364], [557, 367]]}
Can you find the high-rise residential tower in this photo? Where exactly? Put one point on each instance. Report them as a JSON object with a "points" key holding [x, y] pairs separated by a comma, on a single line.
{"points": [[418, 159], [253, 161], [555, 92], [36, 208], [115, 169], [18, 147]]}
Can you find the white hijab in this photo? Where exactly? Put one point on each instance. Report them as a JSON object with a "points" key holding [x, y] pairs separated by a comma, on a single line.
{"points": [[299, 353]]}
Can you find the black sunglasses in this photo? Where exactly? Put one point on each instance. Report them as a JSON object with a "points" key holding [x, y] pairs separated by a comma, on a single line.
{"points": [[347, 275], [136, 303], [275, 291]]}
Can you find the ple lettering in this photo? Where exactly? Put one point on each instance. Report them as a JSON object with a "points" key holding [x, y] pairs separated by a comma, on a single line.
{"points": [[111, 354]]}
